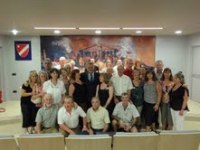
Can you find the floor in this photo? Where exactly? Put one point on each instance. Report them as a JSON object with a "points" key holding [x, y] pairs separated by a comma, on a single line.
{"points": [[10, 120]]}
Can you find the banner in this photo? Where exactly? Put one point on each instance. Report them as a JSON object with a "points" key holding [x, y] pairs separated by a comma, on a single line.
{"points": [[98, 47]]}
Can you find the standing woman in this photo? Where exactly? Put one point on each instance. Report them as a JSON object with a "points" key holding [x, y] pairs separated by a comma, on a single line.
{"points": [[55, 87], [152, 97], [65, 77], [137, 94], [37, 89], [77, 89], [167, 84], [105, 93], [28, 108], [178, 101]]}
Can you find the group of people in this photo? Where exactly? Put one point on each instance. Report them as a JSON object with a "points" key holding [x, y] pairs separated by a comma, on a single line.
{"points": [[124, 97]]}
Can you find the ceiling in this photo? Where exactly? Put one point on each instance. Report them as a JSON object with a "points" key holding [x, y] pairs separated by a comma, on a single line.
{"points": [[172, 15]]}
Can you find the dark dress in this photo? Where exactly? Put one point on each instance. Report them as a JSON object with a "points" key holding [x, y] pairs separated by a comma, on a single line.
{"points": [[103, 95], [29, 110], [79, 95]]}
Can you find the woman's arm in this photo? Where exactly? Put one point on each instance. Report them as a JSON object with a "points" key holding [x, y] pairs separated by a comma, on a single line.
{"points": [[109, 97], [71, 90], [185, 101], [159, 94]]}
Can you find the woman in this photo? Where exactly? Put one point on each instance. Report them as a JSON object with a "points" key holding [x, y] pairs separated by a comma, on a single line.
{"points": [[152, 97], [167, 84], [105, 93], [137, 93], [178, 101], [28, 108], [37, 89], [55, 87], [77, 89], [65, 77]]}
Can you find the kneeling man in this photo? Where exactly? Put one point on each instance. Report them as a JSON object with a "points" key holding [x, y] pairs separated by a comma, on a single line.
{"points": [[98, 117], [68, 117], [125, 115]]}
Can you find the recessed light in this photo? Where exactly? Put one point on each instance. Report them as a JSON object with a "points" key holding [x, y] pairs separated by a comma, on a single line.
{"points": [[14, 31], [98, 28], [57, 31], [138, 32], [54, 28], [98, 32], [178, 32], [143, 28]]}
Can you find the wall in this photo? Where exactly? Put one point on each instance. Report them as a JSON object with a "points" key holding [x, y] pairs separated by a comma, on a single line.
{"points": [[171, 49], [21, 68]]}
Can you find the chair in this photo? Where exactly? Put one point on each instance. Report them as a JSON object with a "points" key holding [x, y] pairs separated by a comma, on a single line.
{"points": [[180, 140], [135, 141], [8, 142], [88, 142], [41, 142]]}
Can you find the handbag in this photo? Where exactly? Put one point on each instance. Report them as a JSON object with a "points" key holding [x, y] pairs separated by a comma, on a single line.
{"points": [[36, 100]]}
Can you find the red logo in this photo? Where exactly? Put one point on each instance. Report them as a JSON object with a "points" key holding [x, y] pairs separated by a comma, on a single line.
{"points": [[22, 49]]}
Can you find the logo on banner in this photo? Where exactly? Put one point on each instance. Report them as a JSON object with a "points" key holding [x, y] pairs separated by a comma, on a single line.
{"points": [[22, 50]]}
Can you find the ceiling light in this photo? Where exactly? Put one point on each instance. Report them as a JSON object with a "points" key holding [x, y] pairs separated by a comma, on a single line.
{"points": [[143, 28], [98, 32], [99, 28], [14, 31], [54, 28], [178, 32], [57, 31], [138, 32]]}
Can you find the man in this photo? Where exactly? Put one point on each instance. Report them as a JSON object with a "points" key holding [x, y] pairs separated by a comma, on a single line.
{"points": [[47, 116], [159, 69], [91, 79], [47, 66], [98, 118], [129, 70], [121, 84], [125, 115], [68, 117], [62, 63]]}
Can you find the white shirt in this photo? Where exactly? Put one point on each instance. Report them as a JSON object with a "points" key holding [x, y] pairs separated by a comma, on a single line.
{"points": [[121, 84], [71, 120], [98, 118], [125, 115], [55, 90]]}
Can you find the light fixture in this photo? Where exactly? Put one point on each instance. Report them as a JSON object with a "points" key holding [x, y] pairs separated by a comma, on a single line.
{"points": [[138, 32], [54, 28], [14, 31], [98, 28], [143, 28], [56, 31], [98, 32], [178, 32]]}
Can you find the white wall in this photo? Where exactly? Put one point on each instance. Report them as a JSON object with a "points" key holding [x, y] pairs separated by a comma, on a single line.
{"points": [[171, 49], [21, 68]]}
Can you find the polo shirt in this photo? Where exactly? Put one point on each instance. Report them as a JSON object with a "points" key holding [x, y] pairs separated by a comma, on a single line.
{"points": [[125, 115], [47, 116], [70, 119], [98, 118]]}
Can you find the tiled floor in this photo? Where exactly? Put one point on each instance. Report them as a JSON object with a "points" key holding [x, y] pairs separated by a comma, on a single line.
{"points": [[10, 120]]}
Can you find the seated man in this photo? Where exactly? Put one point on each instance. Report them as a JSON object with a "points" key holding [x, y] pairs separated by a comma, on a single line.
{"points": [[125, 115], [98, 117], [68, 117], [47, 116]]}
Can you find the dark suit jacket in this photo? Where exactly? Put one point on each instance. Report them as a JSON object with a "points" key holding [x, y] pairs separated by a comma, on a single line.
{"points": [[90, 86]]}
